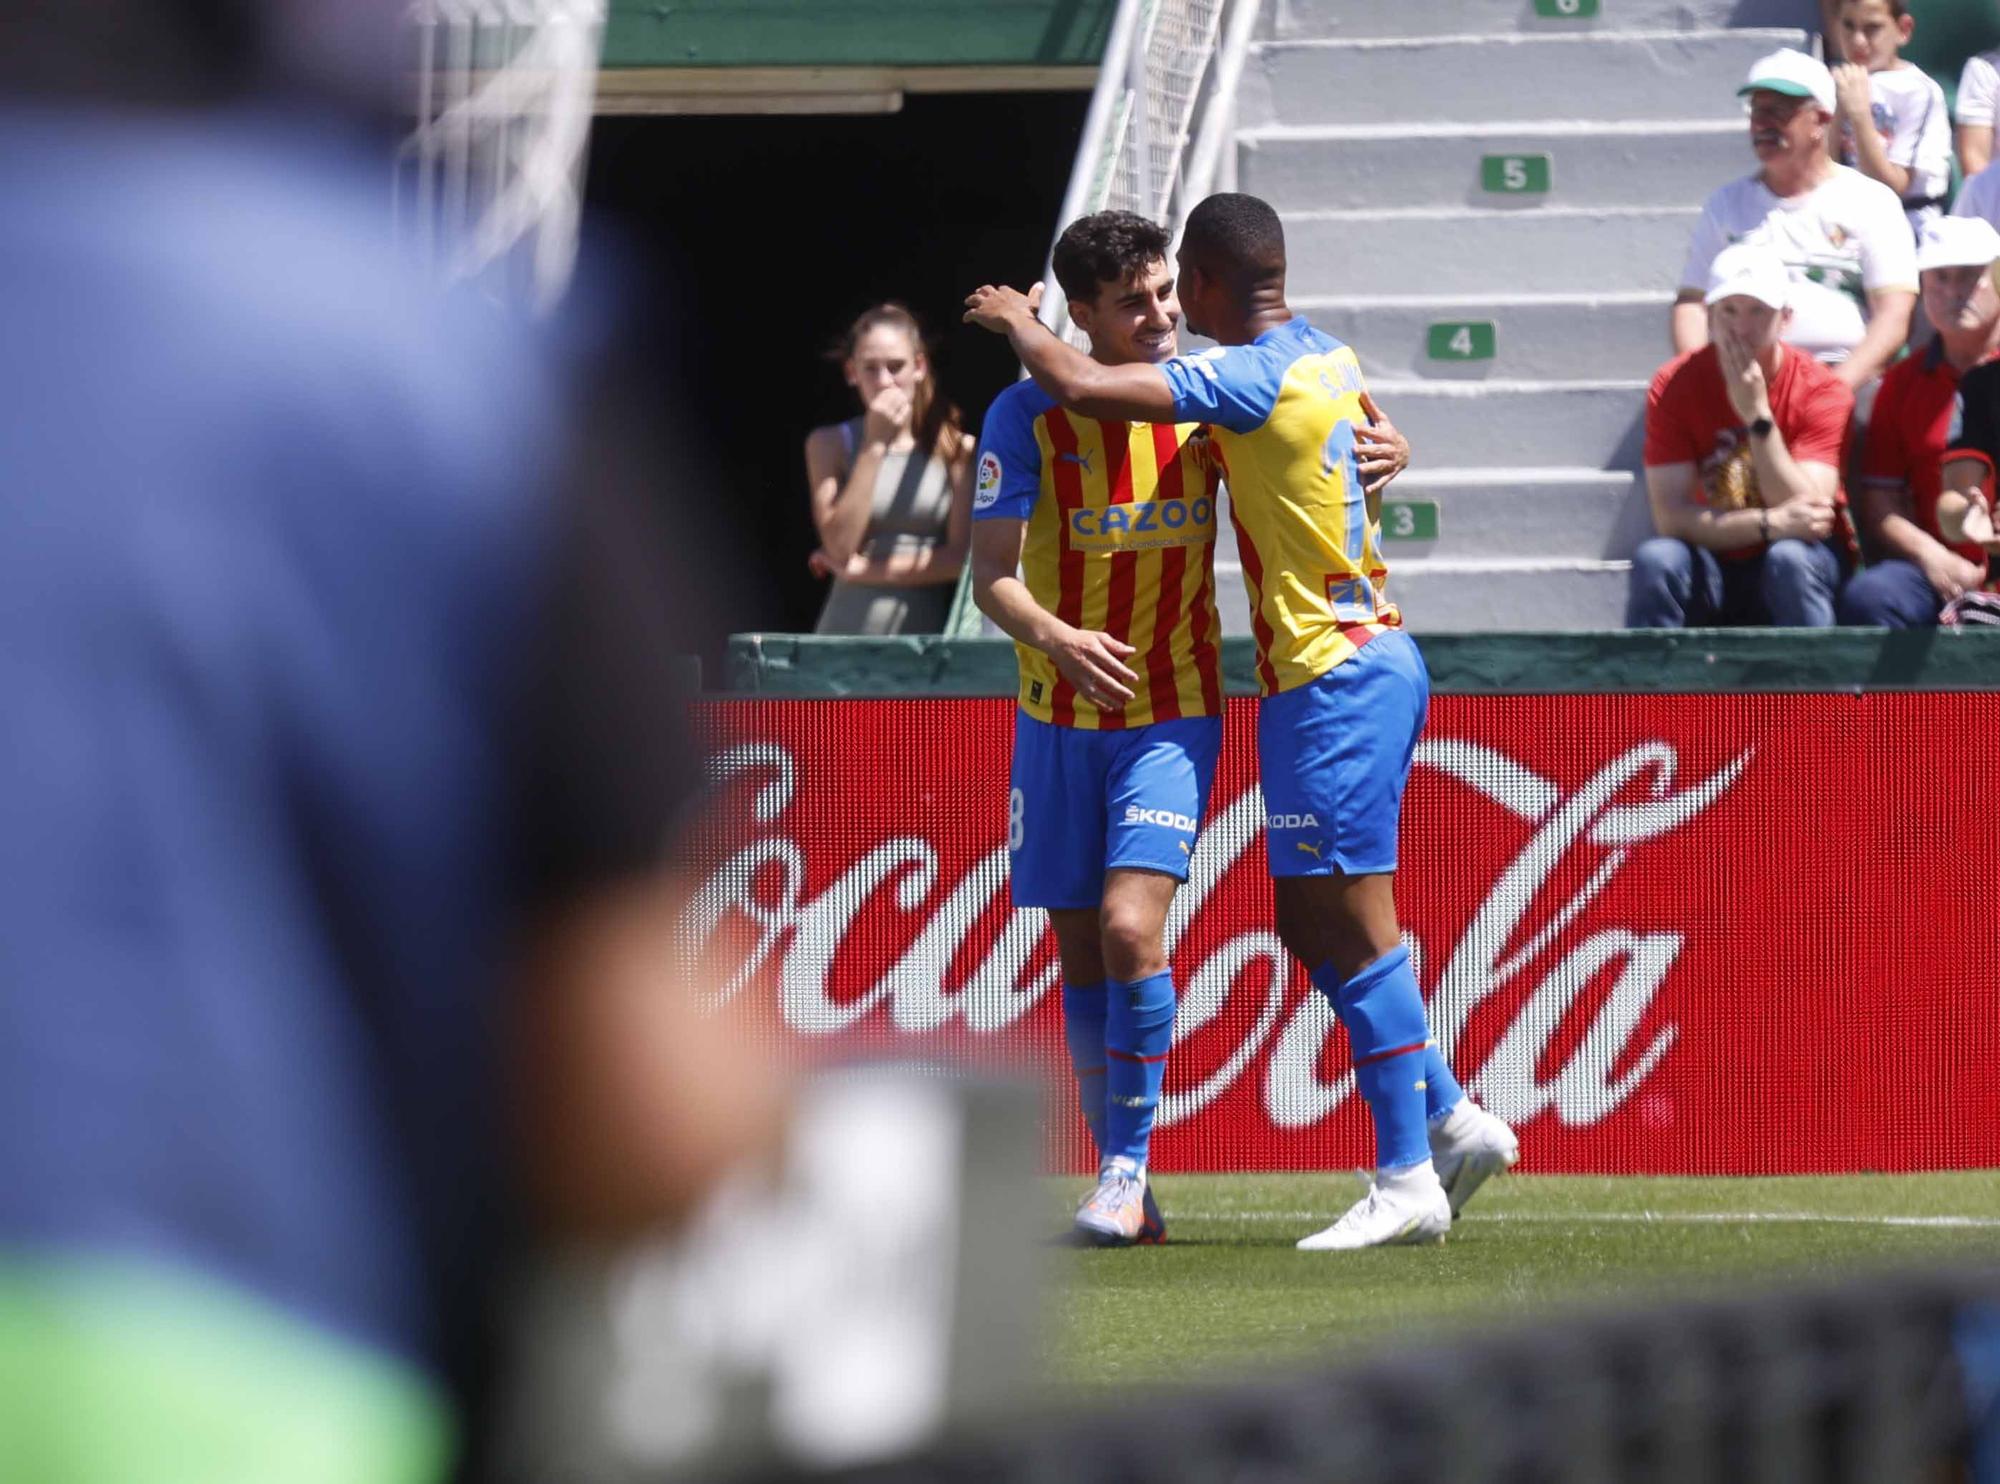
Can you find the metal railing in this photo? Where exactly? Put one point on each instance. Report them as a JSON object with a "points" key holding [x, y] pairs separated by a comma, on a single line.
{"points": [[1164, 108], [1154, 141]]}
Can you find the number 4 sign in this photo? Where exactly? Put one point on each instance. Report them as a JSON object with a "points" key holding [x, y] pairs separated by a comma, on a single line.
{"points": [[1468, 340]]}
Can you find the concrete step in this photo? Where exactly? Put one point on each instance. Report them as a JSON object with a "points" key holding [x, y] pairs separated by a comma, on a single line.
{"points": [[1574, 514], [1537, 336], [1629, 75], [1549, 249], [1448, 597], [1332, 167], [1511, 514], [1359, 19], [1518, 424]]}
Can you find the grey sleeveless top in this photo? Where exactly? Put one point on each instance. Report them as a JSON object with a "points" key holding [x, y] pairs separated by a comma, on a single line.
{"points": [[912, 509]]}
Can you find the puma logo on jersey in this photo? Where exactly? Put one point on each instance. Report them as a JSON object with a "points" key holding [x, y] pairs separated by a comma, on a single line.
{"points": [[1310, 849]]}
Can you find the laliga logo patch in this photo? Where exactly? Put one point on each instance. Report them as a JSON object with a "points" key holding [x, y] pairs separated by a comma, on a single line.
{"points": [[986, 486]]}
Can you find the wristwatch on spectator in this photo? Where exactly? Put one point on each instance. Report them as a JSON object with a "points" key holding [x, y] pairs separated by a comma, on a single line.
{"points": [[1761, 428]]}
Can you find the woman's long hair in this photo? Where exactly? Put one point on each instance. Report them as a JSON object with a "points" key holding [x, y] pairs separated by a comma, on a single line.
{"points": [[935, 422]]}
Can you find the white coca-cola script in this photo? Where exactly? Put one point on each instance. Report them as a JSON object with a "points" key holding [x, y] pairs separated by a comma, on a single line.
{"points": [[1513, 939]]}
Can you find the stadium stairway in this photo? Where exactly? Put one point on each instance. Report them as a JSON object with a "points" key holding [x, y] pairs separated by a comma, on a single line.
{"points": [[1490, 199]]}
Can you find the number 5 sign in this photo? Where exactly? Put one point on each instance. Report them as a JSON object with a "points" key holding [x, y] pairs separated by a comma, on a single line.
{"points": [[1514, 175]]}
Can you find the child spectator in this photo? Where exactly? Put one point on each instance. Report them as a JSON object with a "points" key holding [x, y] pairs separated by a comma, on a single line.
{"points": [[1892, 122], [1916, 572], [1743, 456], [892, 488]]}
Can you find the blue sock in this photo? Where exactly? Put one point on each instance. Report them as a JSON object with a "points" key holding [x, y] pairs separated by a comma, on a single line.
{"points": [[1441, 1090], [1138, 1030], [1083, 1027], [1384, 1014]]}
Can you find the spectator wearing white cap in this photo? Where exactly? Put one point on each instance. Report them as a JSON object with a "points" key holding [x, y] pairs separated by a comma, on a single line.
{"points": [[1842, 237], [1744, 441], [1915, 420]]}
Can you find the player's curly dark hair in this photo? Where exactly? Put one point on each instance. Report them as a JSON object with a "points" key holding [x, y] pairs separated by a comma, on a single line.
{"points": [[1106, 247], [1238, 239]]}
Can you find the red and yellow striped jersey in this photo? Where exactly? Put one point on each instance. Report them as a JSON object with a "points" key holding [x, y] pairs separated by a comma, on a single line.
{"points": [[1121, 538], [1284, 410]]}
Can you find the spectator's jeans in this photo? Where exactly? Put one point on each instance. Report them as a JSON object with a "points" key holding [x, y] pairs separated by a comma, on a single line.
{"points": [[1892, 594], [1792, 585]]}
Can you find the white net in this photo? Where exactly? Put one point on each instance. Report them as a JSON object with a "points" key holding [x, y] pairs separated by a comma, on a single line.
{"points": [[1144, 148], [490, 180], [1141, 174]]}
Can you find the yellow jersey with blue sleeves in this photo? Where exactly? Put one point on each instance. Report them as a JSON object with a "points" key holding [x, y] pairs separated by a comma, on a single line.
{"points": [[1121, 539], [1284, 410]]}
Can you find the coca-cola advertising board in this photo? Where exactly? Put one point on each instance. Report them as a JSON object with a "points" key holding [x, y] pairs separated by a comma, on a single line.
{"points": [[1687, 934]]}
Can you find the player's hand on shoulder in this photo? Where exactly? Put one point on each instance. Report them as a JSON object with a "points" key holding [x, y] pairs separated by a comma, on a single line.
{"points": [[995, 307], [1380, 451], [1094, 663]]}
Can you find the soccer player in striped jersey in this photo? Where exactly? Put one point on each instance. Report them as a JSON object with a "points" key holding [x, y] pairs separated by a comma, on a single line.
{"points": [[1112, 527], [1345, 691]]}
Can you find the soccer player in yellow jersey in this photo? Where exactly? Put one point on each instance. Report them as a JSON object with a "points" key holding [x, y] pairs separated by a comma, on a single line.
{"points": [[1112, 527], [1345, 691]]}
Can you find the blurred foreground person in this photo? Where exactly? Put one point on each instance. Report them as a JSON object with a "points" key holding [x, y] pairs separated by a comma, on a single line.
{"points": [[335, 902]]}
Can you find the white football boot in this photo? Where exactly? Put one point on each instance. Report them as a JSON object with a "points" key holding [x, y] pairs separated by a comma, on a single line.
{"points": [[1115, 1214], [1409, 1211], [1469, 1146]]}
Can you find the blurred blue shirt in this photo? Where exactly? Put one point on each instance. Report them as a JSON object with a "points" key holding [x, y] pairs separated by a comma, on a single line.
{"points": [[270, 514]]}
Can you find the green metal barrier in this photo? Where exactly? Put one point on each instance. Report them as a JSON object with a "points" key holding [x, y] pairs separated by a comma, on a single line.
{"points": [[1619, 662]]}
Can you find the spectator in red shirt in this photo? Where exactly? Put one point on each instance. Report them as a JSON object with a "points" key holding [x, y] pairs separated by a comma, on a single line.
{"points": [[1744, 443], [1915, 421]]}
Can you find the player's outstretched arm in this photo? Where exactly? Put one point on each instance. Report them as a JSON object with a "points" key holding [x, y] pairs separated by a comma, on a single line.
{"points": [[1135, 393], [1093, 662]]}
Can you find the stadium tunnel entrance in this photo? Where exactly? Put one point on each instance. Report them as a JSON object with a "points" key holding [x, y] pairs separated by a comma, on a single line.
{"points": [[759, 239]]}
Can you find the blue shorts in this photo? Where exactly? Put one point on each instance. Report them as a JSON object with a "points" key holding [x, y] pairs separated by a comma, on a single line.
{"points": [[1335, 754], [1089, 802]]}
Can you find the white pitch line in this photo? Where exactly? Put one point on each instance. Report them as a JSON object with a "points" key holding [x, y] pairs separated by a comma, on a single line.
{"points": [[1644, 1218]]}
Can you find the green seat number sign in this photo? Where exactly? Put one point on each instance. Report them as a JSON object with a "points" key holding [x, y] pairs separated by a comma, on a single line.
{"points": [[1514, 175], [1409, 520], [1470, 340], [1565, 10]]}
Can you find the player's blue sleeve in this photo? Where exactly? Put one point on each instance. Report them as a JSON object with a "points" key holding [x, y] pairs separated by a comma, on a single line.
{"points": [[1008, 476], [1232, 386]]}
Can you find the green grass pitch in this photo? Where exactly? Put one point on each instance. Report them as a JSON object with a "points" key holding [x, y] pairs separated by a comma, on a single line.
{"points": [[1229, 1294]]}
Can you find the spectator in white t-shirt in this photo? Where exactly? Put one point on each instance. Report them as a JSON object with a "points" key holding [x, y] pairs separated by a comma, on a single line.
{"points": [[1978, 87], [1842, 236], [1893, 124]]}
